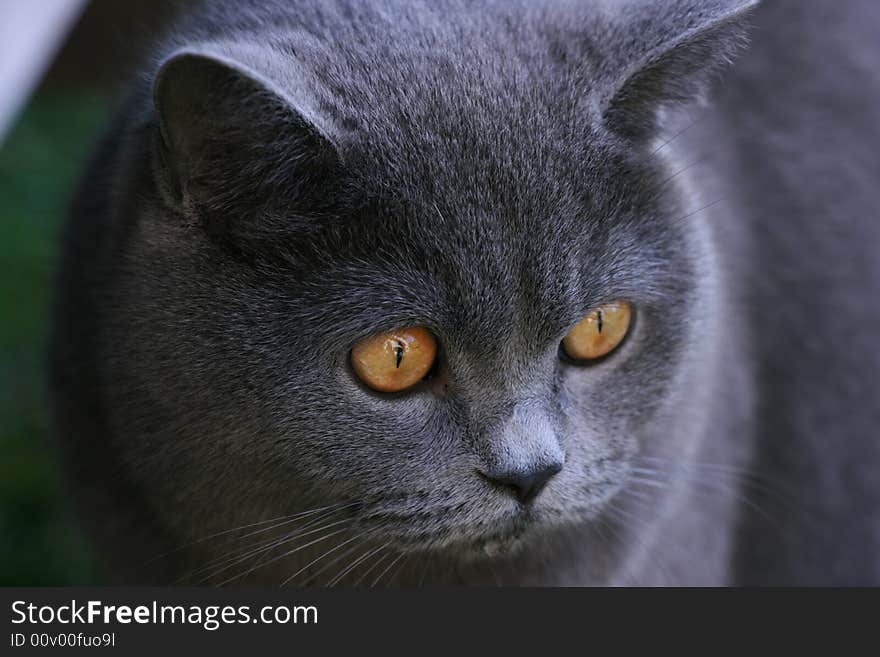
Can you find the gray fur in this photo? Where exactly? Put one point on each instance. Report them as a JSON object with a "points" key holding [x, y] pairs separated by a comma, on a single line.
{"points": [[289, 178]]}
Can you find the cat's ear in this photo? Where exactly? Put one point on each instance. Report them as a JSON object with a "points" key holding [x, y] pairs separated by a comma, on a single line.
{"points": [[666, 51], [234, 151]]}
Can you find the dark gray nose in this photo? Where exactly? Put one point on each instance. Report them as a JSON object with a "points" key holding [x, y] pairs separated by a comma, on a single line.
{"points": [[524, 485]]}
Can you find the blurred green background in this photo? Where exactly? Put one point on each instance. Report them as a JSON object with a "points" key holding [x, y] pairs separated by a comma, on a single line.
{"points": [[40, 161]]}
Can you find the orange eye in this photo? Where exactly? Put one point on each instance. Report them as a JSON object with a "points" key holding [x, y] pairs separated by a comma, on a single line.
{"points": [[394, 361], [599, 333]]}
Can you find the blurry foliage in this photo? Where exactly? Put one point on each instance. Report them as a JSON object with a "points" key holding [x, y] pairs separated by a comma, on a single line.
{"points": [[39, 164]]}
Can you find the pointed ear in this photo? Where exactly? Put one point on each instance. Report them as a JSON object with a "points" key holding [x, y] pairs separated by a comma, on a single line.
{"points": [[666, 51], [234, 152]]}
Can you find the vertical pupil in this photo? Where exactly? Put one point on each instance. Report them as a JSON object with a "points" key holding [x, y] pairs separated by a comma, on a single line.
{"points": [[600, 319], [398, 351]]}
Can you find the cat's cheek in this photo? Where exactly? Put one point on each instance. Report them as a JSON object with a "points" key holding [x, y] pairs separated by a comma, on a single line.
{"points": [[601, 409]]}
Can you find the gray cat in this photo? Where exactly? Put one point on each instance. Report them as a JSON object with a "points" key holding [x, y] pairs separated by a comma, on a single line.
{"points": [[458, 292]]}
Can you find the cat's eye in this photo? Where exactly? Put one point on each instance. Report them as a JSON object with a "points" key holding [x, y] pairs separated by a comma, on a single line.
{"points": [[394, 361], [599, 333]]}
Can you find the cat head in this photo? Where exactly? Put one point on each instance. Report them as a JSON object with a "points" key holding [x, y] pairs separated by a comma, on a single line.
{"points": [[486, 173]]}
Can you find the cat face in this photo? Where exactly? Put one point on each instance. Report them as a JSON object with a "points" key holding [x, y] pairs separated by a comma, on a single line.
{"points": [[498, 288], [488, 179]]}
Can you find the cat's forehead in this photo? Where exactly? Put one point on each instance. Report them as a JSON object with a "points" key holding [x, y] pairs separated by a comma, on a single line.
{"points": [[478, 153], [481, 106], [491, 186], [486, 182]]}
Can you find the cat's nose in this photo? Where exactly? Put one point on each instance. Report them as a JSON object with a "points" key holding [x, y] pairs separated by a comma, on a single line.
{"points": [[523, 453], [525, 485]]}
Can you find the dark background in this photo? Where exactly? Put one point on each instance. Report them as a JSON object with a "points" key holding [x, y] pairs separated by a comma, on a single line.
{"points": [[40, 162]]}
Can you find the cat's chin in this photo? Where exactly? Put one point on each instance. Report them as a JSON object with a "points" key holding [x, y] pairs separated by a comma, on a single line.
{"points": [[495, 548], [471, 552], [510, 537]]}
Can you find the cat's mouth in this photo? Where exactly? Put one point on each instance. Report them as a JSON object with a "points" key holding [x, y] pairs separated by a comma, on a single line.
{"points": [[482, 526]]}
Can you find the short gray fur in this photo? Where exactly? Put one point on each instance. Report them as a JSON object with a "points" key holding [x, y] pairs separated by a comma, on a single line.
{"points": [[288, 178]]}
